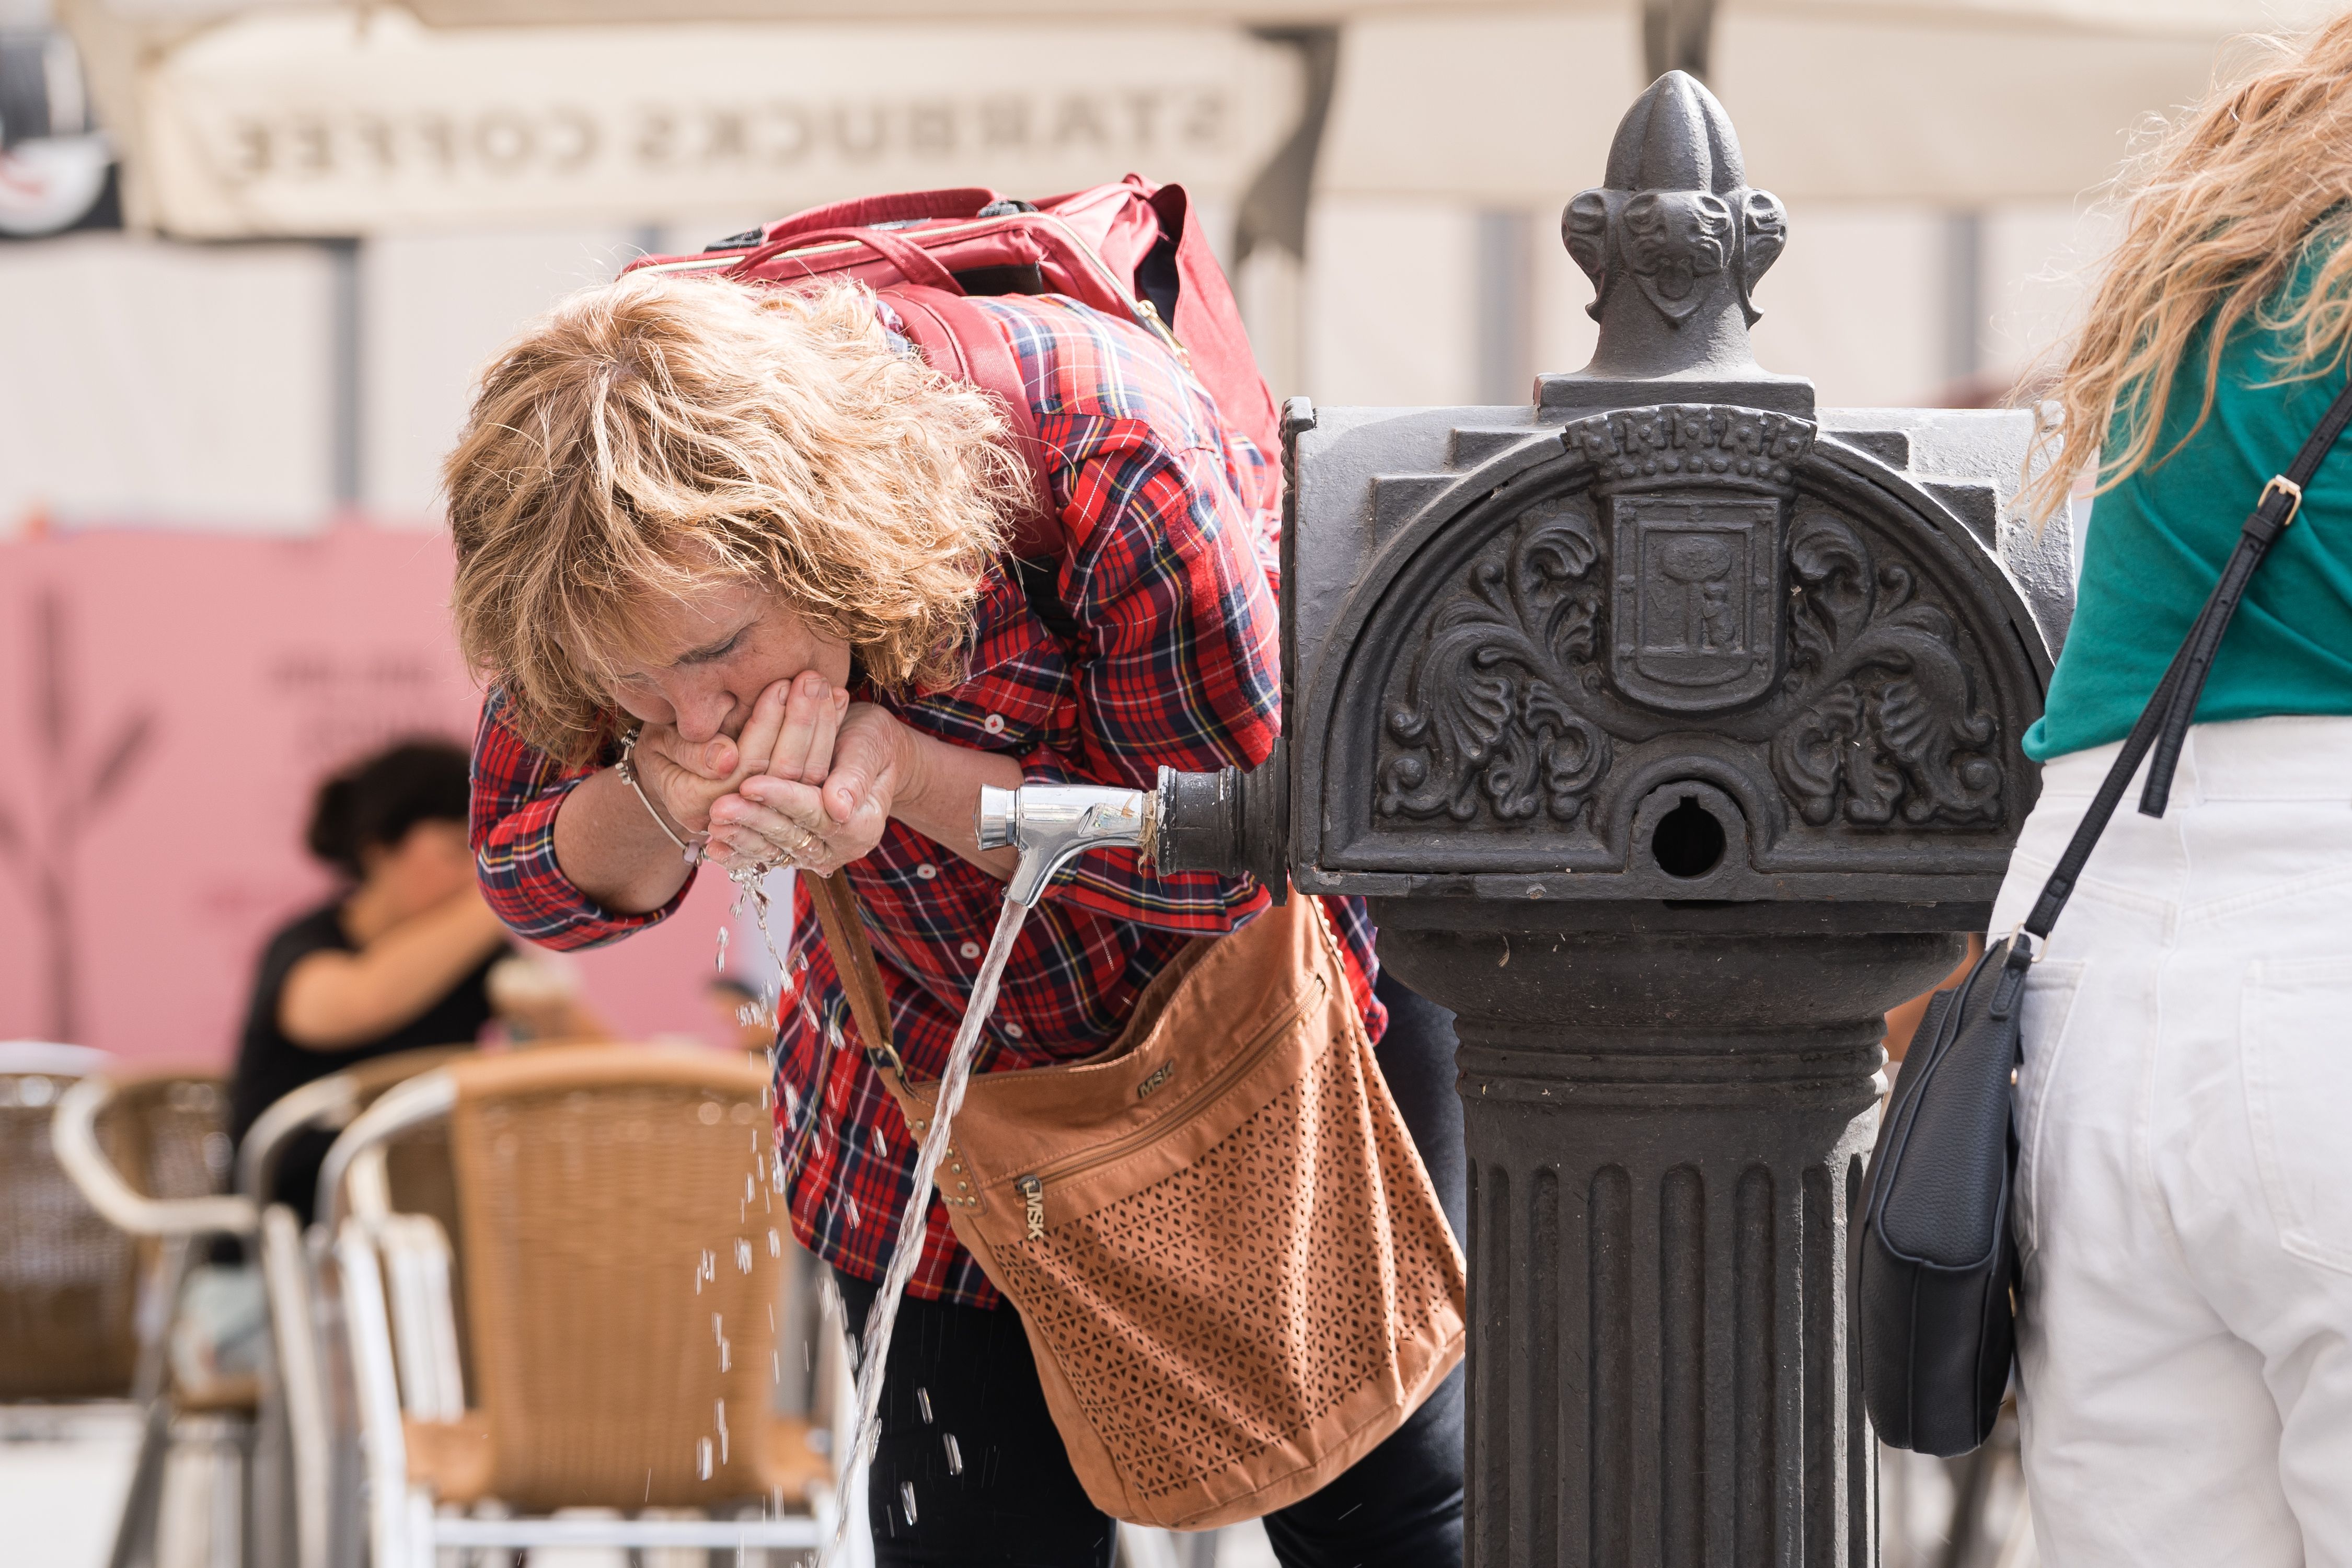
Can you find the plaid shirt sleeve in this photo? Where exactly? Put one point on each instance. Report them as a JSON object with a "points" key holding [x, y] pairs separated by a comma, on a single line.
{"points": [[517, 791]]}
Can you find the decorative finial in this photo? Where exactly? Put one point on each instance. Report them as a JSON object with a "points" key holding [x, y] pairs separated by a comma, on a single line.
{"points": [[1675, 242]]}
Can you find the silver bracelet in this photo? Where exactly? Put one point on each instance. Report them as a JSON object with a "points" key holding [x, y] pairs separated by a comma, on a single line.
{"points": [[627, 768]]}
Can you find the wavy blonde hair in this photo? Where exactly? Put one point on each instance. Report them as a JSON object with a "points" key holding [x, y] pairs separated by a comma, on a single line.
{"points": [[653, 437], [2222, 208]]}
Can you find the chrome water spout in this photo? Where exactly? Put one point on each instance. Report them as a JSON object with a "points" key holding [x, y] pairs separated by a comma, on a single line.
{"points": [[1052, 825]]}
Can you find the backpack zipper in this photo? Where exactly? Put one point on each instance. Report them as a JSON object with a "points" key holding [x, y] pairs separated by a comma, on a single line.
{"points": [[1151, 314], [1032, 1188]]}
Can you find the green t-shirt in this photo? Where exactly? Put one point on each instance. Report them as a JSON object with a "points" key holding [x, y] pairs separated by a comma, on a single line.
{"points": [[2158, 543]]}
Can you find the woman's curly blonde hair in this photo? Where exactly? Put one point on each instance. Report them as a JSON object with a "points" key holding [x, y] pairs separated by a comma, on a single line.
{"points": [[650, 438], [2222, 209]]}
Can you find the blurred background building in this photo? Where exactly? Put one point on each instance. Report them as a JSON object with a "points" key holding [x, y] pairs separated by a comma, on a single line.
{"points": [[253, 254]]}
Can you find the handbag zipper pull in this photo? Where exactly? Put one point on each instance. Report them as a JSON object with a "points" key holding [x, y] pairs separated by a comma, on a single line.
{"points": [[1033, 1196]]}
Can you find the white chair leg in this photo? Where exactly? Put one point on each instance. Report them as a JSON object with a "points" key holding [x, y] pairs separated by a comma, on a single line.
{"points": [[420, 1529], [370, 1337], [301, 1382]]}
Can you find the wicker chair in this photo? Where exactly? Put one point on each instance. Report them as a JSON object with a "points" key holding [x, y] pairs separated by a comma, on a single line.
{"points": [[308, 1439], [622, 1242], [68, 1280], [149, 1153]]}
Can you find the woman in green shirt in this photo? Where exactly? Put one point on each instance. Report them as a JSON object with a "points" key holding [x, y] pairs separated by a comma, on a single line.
{"points": [[2185, 1103]]}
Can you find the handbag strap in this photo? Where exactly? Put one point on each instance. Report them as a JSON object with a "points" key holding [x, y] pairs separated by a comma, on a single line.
{"points": [[835, 903], [2163, 725]]}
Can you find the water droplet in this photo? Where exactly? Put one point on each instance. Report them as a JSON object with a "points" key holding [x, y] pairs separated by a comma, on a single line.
{"points": [[718, 1414], [855, 1219], [719, 964], [775, 1245], [923, 1405], [718, 1330], [906, 1499], [881, 1145], [702, 1458], [742, 1256], [955, 1454]]}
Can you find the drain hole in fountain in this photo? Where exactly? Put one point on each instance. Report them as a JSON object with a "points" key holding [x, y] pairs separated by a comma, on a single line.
{"points": [[1689, 840]]}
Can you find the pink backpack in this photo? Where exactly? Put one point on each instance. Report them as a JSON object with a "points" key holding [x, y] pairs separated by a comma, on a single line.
{"points": [[1134, 250]]}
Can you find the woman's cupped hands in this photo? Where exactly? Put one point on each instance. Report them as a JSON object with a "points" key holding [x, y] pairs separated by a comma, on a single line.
{"points": [[809, 782]]}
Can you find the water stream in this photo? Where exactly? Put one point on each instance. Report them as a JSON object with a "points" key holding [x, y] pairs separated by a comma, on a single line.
{"points": [[873, 1357], [871, 1350]]}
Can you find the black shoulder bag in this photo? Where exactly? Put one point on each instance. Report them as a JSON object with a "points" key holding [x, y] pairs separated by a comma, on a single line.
{"points": [[1933, 1275]]}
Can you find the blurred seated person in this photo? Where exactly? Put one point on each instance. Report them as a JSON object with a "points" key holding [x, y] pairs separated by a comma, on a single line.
{"points": [[398, 960]]}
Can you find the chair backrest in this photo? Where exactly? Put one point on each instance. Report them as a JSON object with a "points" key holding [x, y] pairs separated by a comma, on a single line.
{"points": [[416, 1162], [621, 1243], [166, 1132], [68, 1280], [417, 1171]]}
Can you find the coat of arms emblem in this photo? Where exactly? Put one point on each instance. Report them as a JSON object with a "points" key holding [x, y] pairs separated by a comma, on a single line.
{"points": [[1695, 615]]}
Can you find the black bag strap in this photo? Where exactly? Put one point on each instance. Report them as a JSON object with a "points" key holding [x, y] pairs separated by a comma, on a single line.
{"points": [[2163, 725]]}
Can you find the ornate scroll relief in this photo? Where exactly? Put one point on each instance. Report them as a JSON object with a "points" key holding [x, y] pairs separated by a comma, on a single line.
{"points": [[1888, 724], [1675, 589], [1506, 696], [1491, 710]]}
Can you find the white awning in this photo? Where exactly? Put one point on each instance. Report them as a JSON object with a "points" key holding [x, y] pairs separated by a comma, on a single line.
{"points": [[310, 123], [2206, 18], [1837, 99], [304, 118]]}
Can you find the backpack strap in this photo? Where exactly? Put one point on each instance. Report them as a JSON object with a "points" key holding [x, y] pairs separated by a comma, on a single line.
{"points": [[958, 340]]}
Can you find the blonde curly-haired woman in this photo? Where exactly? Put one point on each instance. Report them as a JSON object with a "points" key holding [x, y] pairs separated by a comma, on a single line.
{"points": [[2185, 1166], [751, 530]]}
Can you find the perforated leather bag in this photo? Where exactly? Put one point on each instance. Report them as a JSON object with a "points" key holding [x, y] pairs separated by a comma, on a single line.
{"points": [[1232, 1266]]}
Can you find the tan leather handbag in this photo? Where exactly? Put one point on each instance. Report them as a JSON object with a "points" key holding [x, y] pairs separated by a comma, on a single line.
{"points": [[1233, 1271]]}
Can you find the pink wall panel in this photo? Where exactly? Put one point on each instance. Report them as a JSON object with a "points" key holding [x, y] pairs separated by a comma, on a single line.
{"points": [[167, 702]]}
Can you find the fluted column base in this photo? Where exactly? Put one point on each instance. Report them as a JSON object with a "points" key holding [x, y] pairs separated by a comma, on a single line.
{"points": [[1665, 1137]]}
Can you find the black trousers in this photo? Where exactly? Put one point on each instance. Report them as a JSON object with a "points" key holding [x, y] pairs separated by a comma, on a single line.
{"points": [[971, 1473]]}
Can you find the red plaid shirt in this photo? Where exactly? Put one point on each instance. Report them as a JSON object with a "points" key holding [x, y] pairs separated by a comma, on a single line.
{"points": [[1172, 524]]}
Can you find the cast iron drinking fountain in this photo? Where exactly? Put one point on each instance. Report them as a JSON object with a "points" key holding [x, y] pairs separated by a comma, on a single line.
{"points": [[1671, 726]]}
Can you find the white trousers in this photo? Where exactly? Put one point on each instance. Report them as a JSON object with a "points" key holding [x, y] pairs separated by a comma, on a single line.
{"points": [[2185, 1166]]}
